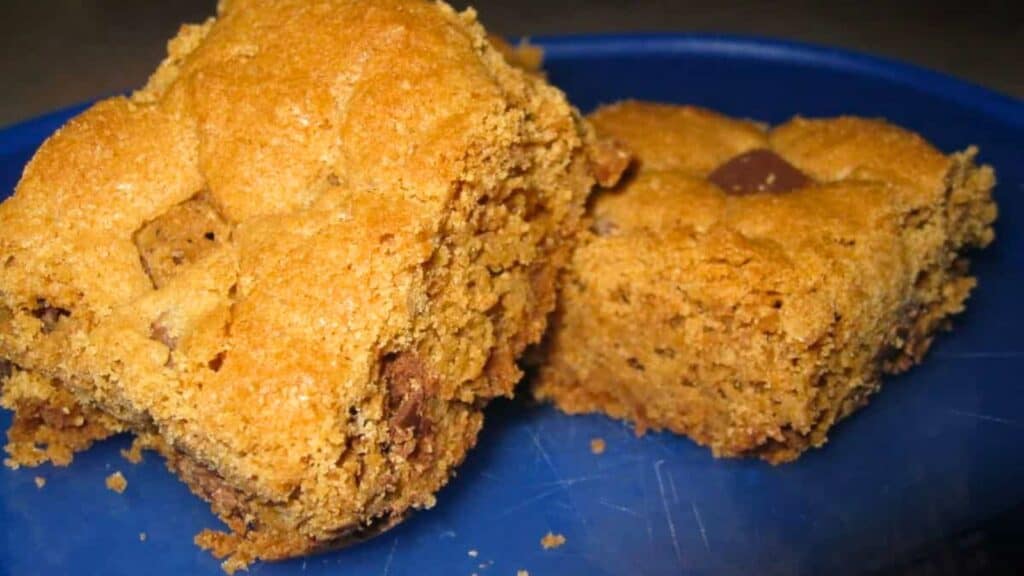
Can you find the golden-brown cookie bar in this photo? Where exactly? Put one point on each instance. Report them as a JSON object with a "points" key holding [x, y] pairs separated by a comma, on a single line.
{"points": [[297, 263], [748, 286]]}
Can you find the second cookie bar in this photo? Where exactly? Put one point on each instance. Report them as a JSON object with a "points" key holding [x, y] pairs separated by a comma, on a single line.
{"points": [[749, 286]]}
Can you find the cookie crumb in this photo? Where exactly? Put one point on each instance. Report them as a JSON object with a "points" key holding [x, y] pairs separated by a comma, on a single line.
{"points": [[40, 482], [142, 536], [597, 445], [133, 454], [223, 545], [117, 483], [552, 540], [522, 573], [473, 553]]}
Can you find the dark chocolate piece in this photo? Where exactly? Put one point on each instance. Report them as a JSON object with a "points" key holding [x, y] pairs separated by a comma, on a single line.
{"points": [[758, 170]]}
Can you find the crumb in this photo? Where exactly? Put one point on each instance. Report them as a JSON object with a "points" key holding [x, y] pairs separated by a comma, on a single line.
{"points": [[117, 483], [133, 454], [522, 573], [10, 463], [552, 540], [142, 536], [40, 482], [473, 553], [223, 545], [597, 445]]}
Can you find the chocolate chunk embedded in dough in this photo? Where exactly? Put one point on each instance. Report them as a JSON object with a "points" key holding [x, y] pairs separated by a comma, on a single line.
{"points": [[758, 170], [49, 315]]}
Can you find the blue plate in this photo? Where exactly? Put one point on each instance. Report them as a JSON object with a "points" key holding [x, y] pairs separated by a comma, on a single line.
{"points": [[930, 474]]}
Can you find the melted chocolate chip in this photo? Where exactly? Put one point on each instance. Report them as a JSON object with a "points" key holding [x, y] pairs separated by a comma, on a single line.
{"points": [[6, 369], [406, 378], [161, 333], [49, 315], [758, 170], [216, 362], [408, 414]]}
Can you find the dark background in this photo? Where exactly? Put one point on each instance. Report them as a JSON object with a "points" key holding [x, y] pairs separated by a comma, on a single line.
{"points": [[58, 52]]}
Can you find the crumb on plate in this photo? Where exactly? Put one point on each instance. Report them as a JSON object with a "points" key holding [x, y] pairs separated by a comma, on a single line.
{"points": [[40, 482], [133, 454], [552, 540], [117, 483], [597, 445]]}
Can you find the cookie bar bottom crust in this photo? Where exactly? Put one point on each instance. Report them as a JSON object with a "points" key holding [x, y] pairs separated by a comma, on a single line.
{"points": [[49, 424], [773, 414]]}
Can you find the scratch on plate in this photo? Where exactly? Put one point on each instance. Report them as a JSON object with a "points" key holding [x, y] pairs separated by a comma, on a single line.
{"points": [[559, 483], [672, 485], [654, 440], [566, 482], [529, 501], [668, 514], [543, 453], [986, 417], [650, 529], [391, 555], [700, 526], [627, 430], [619, 507]]}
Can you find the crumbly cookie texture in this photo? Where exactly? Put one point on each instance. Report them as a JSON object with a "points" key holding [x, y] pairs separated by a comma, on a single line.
{"points": [[749, 286], [298, 263]]}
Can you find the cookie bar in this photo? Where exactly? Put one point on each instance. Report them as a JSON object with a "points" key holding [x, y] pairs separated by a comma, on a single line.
{"points": [[297, 263], [749, 286]]}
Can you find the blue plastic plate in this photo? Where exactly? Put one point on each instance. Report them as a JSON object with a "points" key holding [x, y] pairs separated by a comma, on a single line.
{"points": [[930, 474]]}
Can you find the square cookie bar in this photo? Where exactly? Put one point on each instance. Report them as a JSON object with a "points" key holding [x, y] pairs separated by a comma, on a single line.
{"points": [[298, 263], [748, 286]]}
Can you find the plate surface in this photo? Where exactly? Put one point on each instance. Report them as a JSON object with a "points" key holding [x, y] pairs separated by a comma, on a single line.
{"points": [[934, 464]]}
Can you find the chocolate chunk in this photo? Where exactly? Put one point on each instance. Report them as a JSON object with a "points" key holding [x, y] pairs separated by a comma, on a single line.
{"points": [[758, 170], [216, 362], [181, 236], [408, 413], [407, 380], [161, 333], [49, 315], [609, 160], [208, 484], [6, 369]]}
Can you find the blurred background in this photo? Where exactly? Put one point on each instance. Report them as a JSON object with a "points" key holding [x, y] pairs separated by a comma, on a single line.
{"points": [[60, 52]]}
